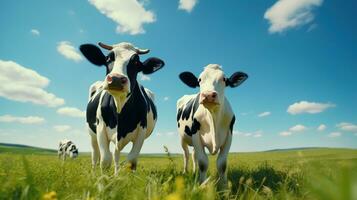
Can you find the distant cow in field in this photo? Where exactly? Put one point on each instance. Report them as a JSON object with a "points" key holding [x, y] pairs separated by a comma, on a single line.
{"points": [[67, 148], [206, 119], [120, 110]]}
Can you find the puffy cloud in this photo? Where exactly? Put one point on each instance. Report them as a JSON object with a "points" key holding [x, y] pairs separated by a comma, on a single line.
{"points": [[62, 128], [22, 120], [292, 130], [264, 114], [169, 133], [71, 112], [308, 107], [22, 84], [297, 128], [130, 15], [255, 134], [69, 51], [345, 126], [334, 134], [285, 133], [166, 98], [35, 32], [187, 5], [322, 127], [287, 14], [144, 77]]}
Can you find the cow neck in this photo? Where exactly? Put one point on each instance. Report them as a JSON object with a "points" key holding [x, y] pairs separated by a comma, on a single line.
{"points": [[120, 100], [215, 117]]}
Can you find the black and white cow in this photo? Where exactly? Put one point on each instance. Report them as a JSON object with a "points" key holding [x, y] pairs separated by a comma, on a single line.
{"points": [[67, 148], [120, 110], [206, 119]]}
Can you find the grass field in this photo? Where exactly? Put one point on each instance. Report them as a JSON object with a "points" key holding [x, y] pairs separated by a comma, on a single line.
{"points": [[29, 173]]}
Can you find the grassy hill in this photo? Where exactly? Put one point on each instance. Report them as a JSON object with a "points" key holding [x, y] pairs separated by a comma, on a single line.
{"points": [[317, 173], [24, 149]]}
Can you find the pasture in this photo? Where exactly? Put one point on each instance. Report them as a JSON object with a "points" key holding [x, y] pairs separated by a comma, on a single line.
{"points": [[319, 173]]}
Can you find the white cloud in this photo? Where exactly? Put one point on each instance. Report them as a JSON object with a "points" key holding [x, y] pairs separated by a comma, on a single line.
{"points": [[169, 133], [345, 126], [71, 112], [255, 134], [297, 128], [22, 84], [130, 15], [69, 51], [308, 107], [166, 98], [187, 5], [264, 114], [35, 32], [62, 128], [22, 120], [144, 77], [285, 133], [334, 134], [322, 127], [287, 14]]}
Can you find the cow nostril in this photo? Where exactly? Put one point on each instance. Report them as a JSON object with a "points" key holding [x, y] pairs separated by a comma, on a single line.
{"points": [[109, 79], [123, 80], [214, 95]]}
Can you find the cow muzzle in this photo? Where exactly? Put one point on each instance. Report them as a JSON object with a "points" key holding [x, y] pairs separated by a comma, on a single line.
{"points": [[209, 98], [116, 82]]}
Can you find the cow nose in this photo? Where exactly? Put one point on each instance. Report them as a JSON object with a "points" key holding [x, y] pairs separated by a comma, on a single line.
{"points": [[116, 81], [209, 97]]}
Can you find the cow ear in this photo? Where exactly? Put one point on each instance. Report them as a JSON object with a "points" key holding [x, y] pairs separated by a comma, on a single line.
{"points": [[93, 54], [189, 79], [236, 79], [151, 65]]}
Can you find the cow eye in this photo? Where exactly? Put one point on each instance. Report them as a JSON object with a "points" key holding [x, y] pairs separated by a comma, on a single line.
{"points": [[199, 80], [110, 57], [224, 79]]}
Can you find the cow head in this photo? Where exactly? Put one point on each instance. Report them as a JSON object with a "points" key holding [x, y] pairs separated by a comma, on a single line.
{"points": [[212, 83], [122, 65], [73, 152]]}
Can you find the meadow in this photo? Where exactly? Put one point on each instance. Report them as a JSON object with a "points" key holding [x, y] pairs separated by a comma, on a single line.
{"points": [[317, 173]]}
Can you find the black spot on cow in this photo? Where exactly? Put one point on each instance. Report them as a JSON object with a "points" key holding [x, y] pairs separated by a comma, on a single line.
{"points": [[232, 123], [91, 113], [178, 124], [179, 113], [109, 110], [190, 108], [194, 128]]}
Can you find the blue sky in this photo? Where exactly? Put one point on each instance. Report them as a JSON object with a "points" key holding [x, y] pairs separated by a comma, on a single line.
{"points": [[301, 58]]}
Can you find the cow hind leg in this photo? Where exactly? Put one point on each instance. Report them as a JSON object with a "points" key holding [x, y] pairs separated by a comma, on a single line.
{"points": [[95, 151], [186, 154]]}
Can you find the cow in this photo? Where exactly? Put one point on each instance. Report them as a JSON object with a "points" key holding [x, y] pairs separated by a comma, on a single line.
{"points": [[67, 147], [206, 119], [119, 110]]}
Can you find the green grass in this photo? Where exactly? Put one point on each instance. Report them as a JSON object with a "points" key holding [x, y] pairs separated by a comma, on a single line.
{"points": [[297, 174]]}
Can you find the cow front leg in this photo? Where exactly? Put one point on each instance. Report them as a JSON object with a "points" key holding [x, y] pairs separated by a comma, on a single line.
{"points": [[194, 161], [95, 151], [116, 160], [186, 155], [222, 160], [135, 150], [201, 157], [105, 155]]}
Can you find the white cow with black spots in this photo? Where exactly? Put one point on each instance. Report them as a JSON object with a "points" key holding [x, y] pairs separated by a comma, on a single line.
{"points": [[119, 110], [67, 148], [206, 119]]}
